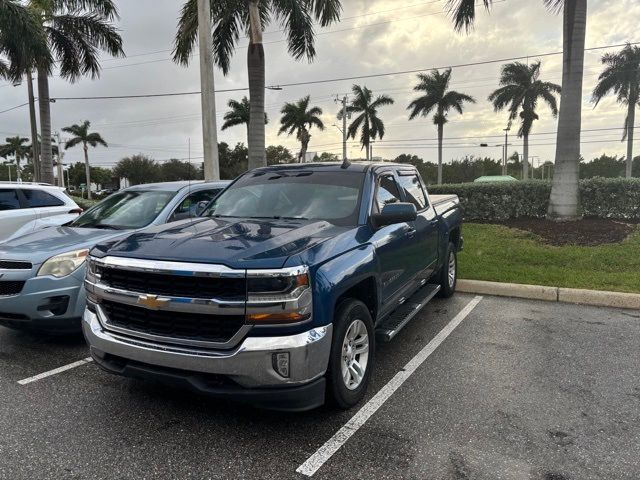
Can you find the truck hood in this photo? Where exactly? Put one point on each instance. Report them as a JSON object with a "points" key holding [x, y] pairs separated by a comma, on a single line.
{"points": [[236, 243], [43, 244]]}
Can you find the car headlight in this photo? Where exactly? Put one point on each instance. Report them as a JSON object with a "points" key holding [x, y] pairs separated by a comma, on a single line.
{"points": [[279, 297], [63, 264]]}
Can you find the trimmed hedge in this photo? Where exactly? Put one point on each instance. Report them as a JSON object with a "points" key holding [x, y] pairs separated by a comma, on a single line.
{"points": [[600, 197]]}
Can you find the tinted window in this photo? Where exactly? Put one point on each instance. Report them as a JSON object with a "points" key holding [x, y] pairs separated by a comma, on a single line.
{"points": [[298, 194], [127, 210], [9, 200], [189, 206], [387, 192], [413, 191], [38, 198]]}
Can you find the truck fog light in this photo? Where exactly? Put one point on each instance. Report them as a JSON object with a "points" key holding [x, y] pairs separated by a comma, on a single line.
{"points": [[281, 363]]}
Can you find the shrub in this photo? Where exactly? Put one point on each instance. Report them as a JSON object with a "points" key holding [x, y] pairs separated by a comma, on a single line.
{"points": [[600, 197]]}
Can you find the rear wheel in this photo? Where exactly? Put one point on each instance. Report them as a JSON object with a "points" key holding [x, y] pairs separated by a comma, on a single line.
{"points": [[449, 273], [352, 354]]}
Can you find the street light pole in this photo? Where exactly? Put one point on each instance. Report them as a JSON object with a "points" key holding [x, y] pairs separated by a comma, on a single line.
{"points": [[208, 99], [506, 147], [35, 143]]}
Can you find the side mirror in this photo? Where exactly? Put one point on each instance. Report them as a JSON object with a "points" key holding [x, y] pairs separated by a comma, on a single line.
{"points": [[394, 213], [201, 206]]}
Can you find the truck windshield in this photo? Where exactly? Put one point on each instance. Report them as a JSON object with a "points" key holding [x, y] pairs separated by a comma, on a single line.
{"points": [[128, 210], [293, 194]]}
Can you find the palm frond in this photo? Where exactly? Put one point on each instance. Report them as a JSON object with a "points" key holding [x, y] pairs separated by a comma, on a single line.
{"points": [[463, 12]]}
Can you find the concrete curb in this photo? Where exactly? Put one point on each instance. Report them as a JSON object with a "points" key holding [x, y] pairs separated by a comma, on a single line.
{"points": [[552, 294]]}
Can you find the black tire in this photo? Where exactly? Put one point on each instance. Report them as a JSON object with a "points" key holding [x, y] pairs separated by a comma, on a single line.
{"points": [[448, 288], [338, 393]]}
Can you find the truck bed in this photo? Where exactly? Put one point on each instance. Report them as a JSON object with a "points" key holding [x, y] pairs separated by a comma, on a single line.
{"points": [[442, 203]]}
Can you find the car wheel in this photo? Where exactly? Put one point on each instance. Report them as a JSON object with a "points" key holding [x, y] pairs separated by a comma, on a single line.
{"points": [[352, 354], [449, 273]]}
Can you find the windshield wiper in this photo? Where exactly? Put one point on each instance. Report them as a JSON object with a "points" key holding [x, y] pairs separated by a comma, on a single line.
{"points": [[104, 226], [278, 217]]}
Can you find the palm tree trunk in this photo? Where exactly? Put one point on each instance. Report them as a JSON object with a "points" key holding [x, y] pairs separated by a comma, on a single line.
{"points": [[18, 169], [440, 138], [87, 170], [631, 120], [525, 160], [46, 160], [564, 201], [256, 69], [35, 144]]}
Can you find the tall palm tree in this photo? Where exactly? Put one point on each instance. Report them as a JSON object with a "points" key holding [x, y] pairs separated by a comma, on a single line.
{"points": [[239, 114], [564, 201], [439, 99], [82, 136], [622, 77], [17, 148], [232, 18], [368, 122], [520, 91], [298, 118], [76, 32]]}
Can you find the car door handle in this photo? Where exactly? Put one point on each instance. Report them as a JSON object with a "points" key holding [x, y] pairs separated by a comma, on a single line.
{"points": [[411, 232]]}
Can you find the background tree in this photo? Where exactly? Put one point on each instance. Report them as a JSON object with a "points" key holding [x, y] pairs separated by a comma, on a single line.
{"points": [[278, 155], [77, 32], [367, 121], [138, 169], [231, 19], [327, 157], [233, 162], [298, 118], [81, 135], [622, 77], [520, 91], [439, 99], [564, 200], [175, 170], [239, 114], [17, 148]]}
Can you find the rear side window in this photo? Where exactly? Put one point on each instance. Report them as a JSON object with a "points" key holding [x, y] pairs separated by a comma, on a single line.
{"points": [[387, 192], [189, 206], [413, 191], [39, 198], [9, 200]]}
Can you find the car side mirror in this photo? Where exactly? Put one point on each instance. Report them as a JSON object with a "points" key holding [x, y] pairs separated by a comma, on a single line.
{"points": [[394, 213], [201, 206]]}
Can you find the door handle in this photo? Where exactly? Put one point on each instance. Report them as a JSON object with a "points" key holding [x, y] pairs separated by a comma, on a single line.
{"points": [[411, 232]]}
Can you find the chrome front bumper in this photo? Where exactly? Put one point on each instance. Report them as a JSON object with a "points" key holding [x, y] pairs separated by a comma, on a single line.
{"points": [[250, 364]]}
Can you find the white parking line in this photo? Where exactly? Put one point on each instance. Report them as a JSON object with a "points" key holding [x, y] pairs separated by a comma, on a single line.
{"points": [[325, 452], [56, 371]]}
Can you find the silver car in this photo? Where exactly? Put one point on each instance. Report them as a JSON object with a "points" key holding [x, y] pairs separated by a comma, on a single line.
{"points": [[41, 274]]}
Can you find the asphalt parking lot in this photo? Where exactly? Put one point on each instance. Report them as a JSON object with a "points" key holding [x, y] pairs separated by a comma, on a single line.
{"points": [[518, 390]]}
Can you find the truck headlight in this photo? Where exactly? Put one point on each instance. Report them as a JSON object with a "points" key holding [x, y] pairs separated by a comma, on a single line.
{"points": [[63, 264], [279, 297]]}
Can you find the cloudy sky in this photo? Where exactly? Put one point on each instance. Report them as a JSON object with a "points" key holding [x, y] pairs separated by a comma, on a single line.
{"points": [[374, 37]]}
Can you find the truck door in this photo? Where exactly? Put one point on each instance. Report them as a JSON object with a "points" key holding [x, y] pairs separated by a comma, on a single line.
{"points": [[424, 250], [392, 244]]}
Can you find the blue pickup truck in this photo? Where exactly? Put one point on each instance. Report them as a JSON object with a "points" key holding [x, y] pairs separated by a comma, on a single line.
{"points": [[277, 295]]}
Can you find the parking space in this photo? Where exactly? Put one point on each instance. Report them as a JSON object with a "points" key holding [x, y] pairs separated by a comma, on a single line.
{"points": [[518, 390]]}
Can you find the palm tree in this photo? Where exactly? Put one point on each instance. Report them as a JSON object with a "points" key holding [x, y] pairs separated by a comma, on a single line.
{"points": [[17, 148], [239, 114], [298, 118], [622, 77], [76, 32], [230, 19], [370, 125], [520, 91], [82, 136], [441, 100], [564, 201]]}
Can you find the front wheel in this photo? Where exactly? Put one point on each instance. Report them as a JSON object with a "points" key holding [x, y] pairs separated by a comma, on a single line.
{"points": [[449, 273], [352, 354]]}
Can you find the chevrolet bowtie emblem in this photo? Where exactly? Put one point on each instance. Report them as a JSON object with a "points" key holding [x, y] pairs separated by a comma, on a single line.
{"points": [[152, 302]]}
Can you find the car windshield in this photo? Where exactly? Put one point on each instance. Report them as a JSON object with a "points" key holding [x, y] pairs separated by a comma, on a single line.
{"points": [[293, 194], [128, 210]]}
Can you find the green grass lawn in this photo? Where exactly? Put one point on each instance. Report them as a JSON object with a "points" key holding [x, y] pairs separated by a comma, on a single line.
{"points": [[500, 254]]}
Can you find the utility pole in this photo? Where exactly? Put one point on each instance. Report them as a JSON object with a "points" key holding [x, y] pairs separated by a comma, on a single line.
{"points": [[506, 150], [35, 142], [60, 157], [208, 98], [344, 128]]}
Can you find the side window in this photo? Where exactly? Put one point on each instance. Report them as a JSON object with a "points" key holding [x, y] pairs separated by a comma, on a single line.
{"points": [[39, 198], [9, 200], [413, 191], [189, 207], [386, 193]]}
